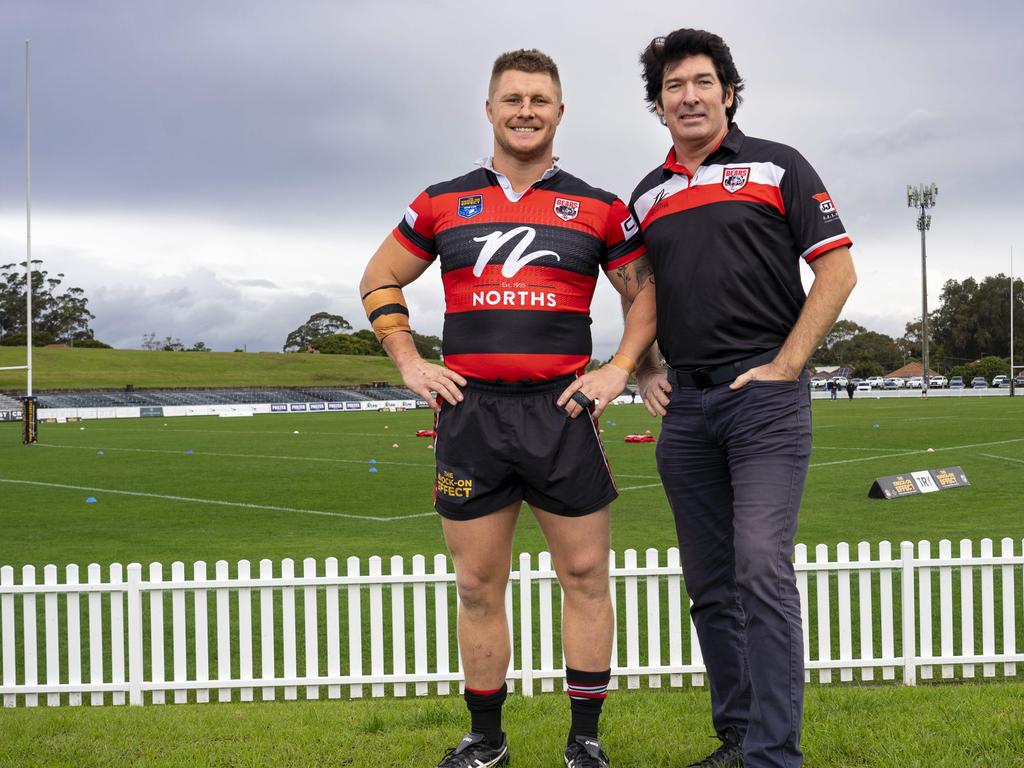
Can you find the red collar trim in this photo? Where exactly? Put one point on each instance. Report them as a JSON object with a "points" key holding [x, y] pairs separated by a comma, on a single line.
{"points": [[673, 165]]}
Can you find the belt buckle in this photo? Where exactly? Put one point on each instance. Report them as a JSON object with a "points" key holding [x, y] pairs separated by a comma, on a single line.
{"points": [[702, 378]]}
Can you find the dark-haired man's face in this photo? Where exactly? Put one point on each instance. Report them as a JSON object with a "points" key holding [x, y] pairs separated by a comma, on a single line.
{"points": [[693, 102], [525, 108]]}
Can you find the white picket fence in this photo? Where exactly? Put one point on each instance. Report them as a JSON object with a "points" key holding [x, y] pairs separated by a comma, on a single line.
{"points": [[901, 616]]}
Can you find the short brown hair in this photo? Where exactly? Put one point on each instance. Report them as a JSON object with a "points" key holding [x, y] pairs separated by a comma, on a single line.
{"points": [[524, 60]]}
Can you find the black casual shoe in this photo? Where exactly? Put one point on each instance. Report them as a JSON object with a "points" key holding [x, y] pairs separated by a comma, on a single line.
{"points": [[474, 752], [729, 755], [585, 752]]}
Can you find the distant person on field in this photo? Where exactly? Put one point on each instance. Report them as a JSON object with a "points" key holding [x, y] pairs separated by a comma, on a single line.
{"points": [[850, 389], [521, 243], [727, 220]]}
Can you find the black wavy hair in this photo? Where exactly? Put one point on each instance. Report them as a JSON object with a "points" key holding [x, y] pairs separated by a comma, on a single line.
{"points": [[662, 52]]}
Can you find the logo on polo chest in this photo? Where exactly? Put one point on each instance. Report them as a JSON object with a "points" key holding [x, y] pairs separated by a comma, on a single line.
{"points": [[735, 179]]}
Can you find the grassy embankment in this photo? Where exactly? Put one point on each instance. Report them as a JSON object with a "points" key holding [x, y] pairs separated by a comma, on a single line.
{"points": [[114, 368]]}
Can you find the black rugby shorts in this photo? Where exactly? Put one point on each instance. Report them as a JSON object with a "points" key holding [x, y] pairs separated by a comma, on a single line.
{"points": [[510, 442]]}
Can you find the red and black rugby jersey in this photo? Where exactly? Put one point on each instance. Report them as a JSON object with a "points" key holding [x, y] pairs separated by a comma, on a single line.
{"points": [[519, 275], [725, 244]]}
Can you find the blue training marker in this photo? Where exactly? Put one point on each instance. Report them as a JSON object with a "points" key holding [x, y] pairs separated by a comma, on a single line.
{"points": [[373, 461], [91, 500], [373, 469], [99, 453], [188, 452]]}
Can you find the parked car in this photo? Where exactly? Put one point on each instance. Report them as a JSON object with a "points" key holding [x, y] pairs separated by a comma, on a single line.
{"points": [[876, 382], [817, 383], [863, 387], [915, 382], [979, 382], [997, 381], [897, 383], [1019, 381], [840, 381], [938, 382], [957, 382]]}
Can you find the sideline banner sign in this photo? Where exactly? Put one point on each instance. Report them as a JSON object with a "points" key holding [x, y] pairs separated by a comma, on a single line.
{"points": [[913, 483]]}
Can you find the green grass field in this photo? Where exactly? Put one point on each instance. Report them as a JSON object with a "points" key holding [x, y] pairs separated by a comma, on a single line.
{"points": [[936, 727], [55, 368], [231, 488]]}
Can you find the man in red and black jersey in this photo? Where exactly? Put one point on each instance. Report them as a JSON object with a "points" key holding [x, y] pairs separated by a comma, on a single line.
{"points": [[727, 219], [520, 244]]}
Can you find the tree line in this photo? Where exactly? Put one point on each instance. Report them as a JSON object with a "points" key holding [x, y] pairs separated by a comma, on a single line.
{"points": [[60, 313], [969, 334], [332, 334]]}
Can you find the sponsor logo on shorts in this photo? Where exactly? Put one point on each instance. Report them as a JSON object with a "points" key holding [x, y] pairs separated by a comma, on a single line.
{"points": [[279, 408], [826, 206], [454, 484], [566, 209], [470, 206], [735, 179]]}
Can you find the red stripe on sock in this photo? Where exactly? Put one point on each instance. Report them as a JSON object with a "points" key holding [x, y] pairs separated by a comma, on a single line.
{"points": [[482, 693]]}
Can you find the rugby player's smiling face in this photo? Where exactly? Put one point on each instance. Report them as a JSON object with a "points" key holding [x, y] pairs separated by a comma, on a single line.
{"points": [[525, 108], [693, 102]]}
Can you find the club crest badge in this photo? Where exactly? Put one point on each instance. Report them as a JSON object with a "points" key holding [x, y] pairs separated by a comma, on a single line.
{"points": [[565, 209], [735, 179], [470, 206]]}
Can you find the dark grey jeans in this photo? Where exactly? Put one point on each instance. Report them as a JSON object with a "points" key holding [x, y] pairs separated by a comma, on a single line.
{"points": [[733, 465]]}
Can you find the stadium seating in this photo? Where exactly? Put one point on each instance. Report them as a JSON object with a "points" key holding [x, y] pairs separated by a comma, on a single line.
{"points": [[120, 398]]}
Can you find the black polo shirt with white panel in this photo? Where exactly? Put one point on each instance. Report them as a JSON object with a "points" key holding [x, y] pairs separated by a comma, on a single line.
{"points": [[725, 242]]}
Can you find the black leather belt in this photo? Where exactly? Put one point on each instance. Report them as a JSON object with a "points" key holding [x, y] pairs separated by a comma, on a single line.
{"points": [[702, 378]]}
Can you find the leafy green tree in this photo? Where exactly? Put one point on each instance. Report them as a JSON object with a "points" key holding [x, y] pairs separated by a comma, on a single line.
{"points": [[62, 312], [973, 320], [428, 346], [319, 325], [345, 344]]}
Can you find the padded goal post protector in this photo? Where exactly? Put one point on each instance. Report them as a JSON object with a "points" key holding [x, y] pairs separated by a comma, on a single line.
{"points": [[29, 421], [914, 483]]}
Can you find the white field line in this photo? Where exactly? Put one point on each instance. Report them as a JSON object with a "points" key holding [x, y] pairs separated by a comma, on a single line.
{"points": [[1003, 458], [638, 487], [216, 502], [235, 455], [918, 451], [239, 433]]}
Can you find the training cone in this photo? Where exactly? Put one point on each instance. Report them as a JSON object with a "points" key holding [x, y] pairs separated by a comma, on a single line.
{"points": [[373, 469], [188, 452], [394, 445], [99, 453], [91, 500]]}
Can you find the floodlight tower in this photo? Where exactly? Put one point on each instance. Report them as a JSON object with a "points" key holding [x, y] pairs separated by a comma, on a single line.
{"points": [[923, 197]]}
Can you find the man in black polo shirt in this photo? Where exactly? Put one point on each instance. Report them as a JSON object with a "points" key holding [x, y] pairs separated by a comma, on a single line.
{"points": [[726, 220]]}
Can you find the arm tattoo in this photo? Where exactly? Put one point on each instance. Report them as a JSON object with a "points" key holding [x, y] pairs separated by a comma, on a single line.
{"points": [[623, 273]]}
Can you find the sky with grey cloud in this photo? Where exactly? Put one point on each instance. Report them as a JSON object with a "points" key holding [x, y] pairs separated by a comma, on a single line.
{"points": [[222, 170]]}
